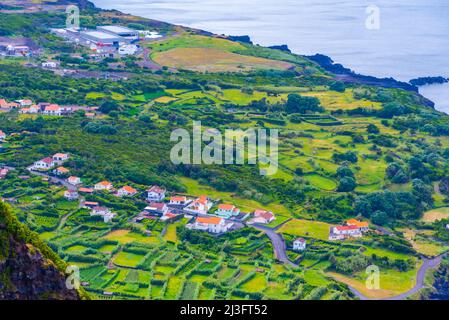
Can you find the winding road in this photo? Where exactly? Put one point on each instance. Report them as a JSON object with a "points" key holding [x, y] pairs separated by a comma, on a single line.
{"points": [[280, 253], [279, 247], [428, 264]]}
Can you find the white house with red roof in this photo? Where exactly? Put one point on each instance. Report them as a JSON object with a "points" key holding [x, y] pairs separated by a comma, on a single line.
{"points": [[178, 201], [299, 244], [74, 180], [60, 157], [156, 193], [24, 102], [44, 164], [226, 210], [2, 135], [262, 217], [157, 209], [199, 206], [59, 171], [71, 195], [53, 110], [126, 191], [3, 103], [344, 232], [214, 225], [103, 185]]}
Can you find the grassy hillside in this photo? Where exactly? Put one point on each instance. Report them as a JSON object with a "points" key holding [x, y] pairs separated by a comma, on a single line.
{"points": [[345, 151]]}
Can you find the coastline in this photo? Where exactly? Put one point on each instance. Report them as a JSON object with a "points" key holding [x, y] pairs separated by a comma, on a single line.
{"points": [[342, 72]]}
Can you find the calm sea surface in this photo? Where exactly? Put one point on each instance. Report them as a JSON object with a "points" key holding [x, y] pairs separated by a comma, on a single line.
{"points": [[412, 40]]}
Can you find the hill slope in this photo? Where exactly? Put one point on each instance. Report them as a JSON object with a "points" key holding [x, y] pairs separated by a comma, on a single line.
{"points": [[27, 271]]}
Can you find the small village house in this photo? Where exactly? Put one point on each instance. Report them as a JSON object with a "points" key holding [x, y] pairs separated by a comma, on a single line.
{"points": [[3, 173], [103, 212], [86, 190], [12, 105], [156, 193], [157, 209], [24, 102], [60, 171], [2, 135], [178, 201], [31, 110], [227, 210], [103, 185], [214, 225], [3, 103], [74, 180], [362, 225], [44, 164], [262, 217], [90, 204], [199, 206], [52, 110], [126, 191], [71, 195], [168, 216], [344, 232], [299, 244], [60, 157]]}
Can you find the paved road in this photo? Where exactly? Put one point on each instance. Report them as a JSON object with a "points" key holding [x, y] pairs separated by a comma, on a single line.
{"points": [[52, 179], [278, 244], [428, 264]]}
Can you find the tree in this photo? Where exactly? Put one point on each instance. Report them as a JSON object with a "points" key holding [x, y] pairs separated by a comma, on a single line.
{"points": [[347, 184], [344, 171], [372, 129], [422, 191], [299, 104], [338, 86], [108, 106], [380, 218]]}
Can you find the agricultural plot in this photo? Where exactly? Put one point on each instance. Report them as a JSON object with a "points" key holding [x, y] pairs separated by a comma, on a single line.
{"points": [[306, 228], [214, 60], [435, 215], [128, 259]]}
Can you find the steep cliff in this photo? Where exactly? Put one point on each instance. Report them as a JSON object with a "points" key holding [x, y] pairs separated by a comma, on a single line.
{"points": [[29, 269]]}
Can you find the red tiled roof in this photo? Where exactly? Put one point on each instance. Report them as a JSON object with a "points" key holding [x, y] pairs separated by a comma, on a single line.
{"points": [[156, 189], [157, 205], [178, 199], [129, 189], [226, 207], [343, 228], [47, 160], [52, 107], [209, 220]]}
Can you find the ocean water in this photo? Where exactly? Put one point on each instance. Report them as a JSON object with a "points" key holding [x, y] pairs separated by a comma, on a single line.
{"points": [[411, 41]]}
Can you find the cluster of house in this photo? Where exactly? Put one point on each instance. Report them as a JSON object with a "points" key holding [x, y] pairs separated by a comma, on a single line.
{"points": [[109, 41], [49, 109], [352, 229], [221, 221], [17, 47]]}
